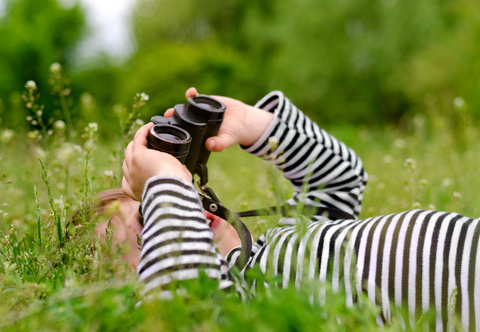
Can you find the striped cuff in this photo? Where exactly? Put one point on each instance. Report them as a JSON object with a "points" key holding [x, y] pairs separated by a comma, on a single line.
{"points": [[176, 240], [310, 158], [270, 103]]}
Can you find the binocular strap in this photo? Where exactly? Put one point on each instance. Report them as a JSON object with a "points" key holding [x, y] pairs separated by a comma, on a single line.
{"points": [[287, 210], [215, 207]]}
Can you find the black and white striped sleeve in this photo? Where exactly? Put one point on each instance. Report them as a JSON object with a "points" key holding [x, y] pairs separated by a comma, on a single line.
{"points": [[310, 158], [177, 243]]}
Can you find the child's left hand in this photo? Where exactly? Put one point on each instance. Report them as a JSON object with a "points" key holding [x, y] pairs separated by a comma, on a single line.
{"points": [[141, 163]]}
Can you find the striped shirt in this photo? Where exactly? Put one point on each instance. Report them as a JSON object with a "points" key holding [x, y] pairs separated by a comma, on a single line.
{"points": [[415, 259]]}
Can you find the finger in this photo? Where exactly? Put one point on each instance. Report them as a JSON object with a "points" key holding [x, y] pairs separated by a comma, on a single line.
{"points": [[126, 174], [169, 113], [191, 92], [128, 154], [140, 139], [126, 189], [220, 142]]}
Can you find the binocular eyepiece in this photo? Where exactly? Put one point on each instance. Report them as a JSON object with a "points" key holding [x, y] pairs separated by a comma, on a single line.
{"points": [[184, 135]]}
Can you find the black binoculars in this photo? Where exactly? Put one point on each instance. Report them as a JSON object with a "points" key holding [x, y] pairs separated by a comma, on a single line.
{"points": [[184, 135]]}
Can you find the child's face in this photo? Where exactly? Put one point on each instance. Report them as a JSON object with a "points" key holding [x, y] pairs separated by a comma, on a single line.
{"points": [[226, 237]]}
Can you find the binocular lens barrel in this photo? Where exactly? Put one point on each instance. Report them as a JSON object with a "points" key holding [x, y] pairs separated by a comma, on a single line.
{"points": [[170, 139], [206, 102]]}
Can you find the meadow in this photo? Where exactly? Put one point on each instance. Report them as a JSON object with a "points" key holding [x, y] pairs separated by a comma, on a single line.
{"points": [[58, 276]]}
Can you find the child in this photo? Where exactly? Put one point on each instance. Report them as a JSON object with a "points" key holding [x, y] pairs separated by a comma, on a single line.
{"points": [[413, 259]]}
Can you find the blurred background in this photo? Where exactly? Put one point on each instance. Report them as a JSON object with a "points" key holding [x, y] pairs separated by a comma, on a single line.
{"points": [[351, 62]]}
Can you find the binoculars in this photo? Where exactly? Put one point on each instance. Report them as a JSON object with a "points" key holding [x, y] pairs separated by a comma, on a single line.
{"points": [[184, 135]]}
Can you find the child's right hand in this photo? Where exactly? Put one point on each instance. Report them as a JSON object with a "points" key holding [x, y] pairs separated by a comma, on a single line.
{"points": [[242, 124]]}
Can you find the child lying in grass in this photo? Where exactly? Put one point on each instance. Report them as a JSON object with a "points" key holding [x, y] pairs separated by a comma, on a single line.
{"points": [[414, 259]]}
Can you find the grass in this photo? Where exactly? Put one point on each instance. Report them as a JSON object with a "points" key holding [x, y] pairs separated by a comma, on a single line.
{"points": [[50, 283]]}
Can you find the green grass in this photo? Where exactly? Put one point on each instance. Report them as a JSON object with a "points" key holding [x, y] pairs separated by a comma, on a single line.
{"points": [[82, 284]]}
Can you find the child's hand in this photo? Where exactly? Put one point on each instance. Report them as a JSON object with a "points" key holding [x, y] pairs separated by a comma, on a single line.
{"points": [[242, 124], [142, 163]]}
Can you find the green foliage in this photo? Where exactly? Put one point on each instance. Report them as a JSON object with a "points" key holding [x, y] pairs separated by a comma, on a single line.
{"points": [[34, 34], [85, 284], [365, 61]]}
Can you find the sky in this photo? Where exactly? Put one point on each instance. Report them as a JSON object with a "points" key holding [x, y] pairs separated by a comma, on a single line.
{"points": [[108, 20], [110, 28]]}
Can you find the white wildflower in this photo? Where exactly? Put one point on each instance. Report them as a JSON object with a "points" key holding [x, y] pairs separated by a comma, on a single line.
{"points": [[7, 135], [39, 113], [86, 98], [447, 182], [89, 144], [55, 67], [59, 124], [39, 153], [65, 152], [273, 142], [143, 96], [108, 173], [457, 195], [412, 163], [31, 85], [419, 121], [399, 143], [387, 159], [139, 122], [33, 135], [459, 102], [118, 108], [92, 126], [70, 283]]}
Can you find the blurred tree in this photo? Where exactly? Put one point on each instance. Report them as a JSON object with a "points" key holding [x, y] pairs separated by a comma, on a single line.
{"points": [[177, 47], [34, 34], [348, 60]]}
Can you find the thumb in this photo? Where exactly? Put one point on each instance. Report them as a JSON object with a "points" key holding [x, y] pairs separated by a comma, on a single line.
{"points": [[220, 142]]}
